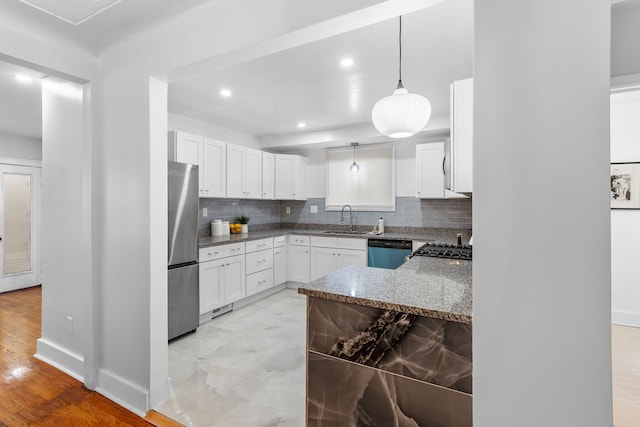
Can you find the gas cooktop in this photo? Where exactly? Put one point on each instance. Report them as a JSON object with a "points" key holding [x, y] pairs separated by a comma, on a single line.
{"points": [[444, 250]]}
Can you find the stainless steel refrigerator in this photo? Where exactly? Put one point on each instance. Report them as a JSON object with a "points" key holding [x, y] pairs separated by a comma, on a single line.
{"points": [[184, 295]]}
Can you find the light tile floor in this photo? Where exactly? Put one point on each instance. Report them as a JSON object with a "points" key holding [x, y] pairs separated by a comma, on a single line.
{"points": [[244, 368]]}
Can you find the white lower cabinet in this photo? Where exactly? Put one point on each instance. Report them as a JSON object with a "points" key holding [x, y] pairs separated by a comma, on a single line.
{"points": [[222, 282], [211, 288], [279, 260], [259, 266], [222, 276], [234, 280], [260, 281], [329, 254], [299, 258]]}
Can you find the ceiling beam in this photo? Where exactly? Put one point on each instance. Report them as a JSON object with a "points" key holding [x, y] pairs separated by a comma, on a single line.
{"points": [[322, 30]]}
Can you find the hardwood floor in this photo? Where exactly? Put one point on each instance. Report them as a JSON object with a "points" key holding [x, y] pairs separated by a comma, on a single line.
{"points": [[34, 393], [625, 351]]}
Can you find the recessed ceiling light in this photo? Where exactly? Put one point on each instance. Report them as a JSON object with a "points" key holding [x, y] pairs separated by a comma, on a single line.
{"points": [[302, 125], [346, 62], [225, 93], [22, 78]]}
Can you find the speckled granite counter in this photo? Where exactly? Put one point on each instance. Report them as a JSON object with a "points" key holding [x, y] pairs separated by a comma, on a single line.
{"points": [[433, 287], [438, 234]]}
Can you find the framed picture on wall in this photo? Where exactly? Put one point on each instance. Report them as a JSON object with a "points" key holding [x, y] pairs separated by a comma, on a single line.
{"points": [[625, 186]]}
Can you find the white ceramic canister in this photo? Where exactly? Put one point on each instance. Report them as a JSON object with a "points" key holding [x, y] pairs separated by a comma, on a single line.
{"points": [[216, 227]]}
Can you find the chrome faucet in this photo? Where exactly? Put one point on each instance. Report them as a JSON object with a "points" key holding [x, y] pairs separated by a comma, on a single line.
{"points": [[350, 216]]}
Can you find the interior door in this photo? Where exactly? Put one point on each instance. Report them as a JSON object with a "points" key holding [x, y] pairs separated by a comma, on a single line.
{"points": [[19, 248]]}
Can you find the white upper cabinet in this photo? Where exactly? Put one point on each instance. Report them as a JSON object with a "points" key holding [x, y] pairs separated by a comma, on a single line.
{"points": [[210, 156], [430, 176], [252, 184], [213, 171], [244, 172], [290, 179], [184, 147], [235, 171], [461, 149], [268, 175]]}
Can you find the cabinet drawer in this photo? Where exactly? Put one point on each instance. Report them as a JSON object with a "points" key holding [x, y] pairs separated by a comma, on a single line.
{"points": [[233, 249], [350, 243], [260, 281], [258, 245], [324, 242], [211, 253], [298, 240], [279, 241], [258, 261]]}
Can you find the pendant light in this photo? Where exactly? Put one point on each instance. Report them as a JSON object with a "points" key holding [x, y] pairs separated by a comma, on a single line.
{"points": [[354, 166], [401, 114]]}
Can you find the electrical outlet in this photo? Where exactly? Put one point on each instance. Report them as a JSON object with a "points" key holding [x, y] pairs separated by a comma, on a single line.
{"points": [[70, 324], [314, 209], [287, 210], [204, 212]]}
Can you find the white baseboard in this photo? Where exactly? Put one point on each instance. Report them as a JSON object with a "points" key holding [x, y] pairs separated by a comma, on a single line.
{"points": [[625, 319], [123, 392], [60, 358]]}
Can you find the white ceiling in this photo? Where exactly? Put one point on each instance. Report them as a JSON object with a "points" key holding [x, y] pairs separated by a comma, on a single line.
{"points": [[272, 94]]}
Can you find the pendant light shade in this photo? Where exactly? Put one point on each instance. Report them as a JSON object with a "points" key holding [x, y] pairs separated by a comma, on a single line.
{"points": [[401, 114], [354, 166]]}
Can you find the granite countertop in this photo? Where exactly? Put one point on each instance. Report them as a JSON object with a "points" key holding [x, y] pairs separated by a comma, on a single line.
{"points": [[437, 235], [432, 287]]}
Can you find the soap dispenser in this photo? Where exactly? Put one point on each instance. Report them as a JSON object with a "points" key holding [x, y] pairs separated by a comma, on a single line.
{"points": [[380, 226]]}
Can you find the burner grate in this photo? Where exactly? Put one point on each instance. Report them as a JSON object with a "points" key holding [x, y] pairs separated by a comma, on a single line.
{"points": [[443, 250]]}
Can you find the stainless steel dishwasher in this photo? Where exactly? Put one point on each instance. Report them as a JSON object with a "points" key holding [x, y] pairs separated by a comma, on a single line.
{"points": [[383, 253]]}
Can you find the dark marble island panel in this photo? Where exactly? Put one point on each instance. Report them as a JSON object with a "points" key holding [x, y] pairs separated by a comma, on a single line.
{"points": [[394, 362]]}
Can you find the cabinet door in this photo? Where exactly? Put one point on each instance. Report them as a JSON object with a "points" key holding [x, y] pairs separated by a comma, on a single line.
{"points": [[284, 185], [186, 147], [258, 261], [300, 178], [352, 257], [235, 171], [268, 175], [279, 265], [213, 171], [462, 136], [252, 183], [430, 170], [211, 290], [299, 264], [234, 279], [323, 261]]}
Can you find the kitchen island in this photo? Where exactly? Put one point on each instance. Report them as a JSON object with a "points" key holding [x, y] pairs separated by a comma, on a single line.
{"points": [[390, 347]]}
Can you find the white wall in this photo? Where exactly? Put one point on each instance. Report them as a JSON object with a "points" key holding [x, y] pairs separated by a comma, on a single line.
{"points": [[20, 147], [625, 224], [198, 127], [131, 153], [63, 287], [541, 273], [405, 167], [625, 32]]}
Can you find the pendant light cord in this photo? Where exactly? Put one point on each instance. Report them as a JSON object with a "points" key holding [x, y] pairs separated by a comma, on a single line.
{"points": [[400, 55]]}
